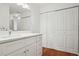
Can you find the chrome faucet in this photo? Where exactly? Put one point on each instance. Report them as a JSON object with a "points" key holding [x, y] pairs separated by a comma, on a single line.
{"points": [[10, 32]]}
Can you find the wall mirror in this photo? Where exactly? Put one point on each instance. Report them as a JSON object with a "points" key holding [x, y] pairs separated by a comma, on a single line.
{"points": [[14, 16], [20, 15]]}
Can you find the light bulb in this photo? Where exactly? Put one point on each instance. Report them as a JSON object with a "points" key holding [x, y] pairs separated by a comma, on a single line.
{"points": [[24, 5]]}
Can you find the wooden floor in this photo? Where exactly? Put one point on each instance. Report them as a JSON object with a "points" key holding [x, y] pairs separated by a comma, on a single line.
{"points": [[53, 52]]}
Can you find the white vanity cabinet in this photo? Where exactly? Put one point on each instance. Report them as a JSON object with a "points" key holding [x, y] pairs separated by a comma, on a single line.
{"points": [[2, 49], [31, 50], [25, 51], [39, 45], [27, 46], [20, 52]]}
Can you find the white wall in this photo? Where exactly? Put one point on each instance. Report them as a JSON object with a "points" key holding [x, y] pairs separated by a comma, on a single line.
{"points": [[35, 18], [4, 15], [54, 6]]}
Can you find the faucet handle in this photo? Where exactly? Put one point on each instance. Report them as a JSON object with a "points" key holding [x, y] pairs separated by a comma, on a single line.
{"points": [[10, 31]]}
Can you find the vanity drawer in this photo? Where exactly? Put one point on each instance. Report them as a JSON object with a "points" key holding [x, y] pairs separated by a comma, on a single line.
{"points": [[19, 52], [13, 46], [30, 40], [31, 50], [10, 47]]}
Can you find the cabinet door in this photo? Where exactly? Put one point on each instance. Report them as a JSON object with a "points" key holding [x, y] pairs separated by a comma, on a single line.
{"points": [[19, 52], [2, 49], [31, 50], [43, 28], [39, 46], [13, 46]]}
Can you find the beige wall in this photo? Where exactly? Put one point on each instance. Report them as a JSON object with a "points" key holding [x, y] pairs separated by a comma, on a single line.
{"points": [[4, 15]]}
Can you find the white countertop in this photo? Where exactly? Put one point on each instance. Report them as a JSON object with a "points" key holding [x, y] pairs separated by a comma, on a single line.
{"points": [[14, 37]]}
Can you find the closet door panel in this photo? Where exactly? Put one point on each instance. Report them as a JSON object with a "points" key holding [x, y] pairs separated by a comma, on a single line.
{"points": [[55, 31], [43, 28], [71, 29], [51, 30], [62, 30]]}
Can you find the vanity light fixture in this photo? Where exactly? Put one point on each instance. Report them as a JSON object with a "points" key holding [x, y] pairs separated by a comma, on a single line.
{"points": [[24, 5]]}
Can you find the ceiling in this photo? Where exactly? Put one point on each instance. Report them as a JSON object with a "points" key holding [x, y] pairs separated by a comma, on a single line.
{"points": [[14, 8]]}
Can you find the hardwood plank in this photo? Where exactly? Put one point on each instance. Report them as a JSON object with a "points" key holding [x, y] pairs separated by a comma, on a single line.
{"points": [[53, 52]]}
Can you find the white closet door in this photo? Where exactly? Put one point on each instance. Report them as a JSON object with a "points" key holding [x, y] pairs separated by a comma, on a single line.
{"points": [[43, 28], [71, 29], [55, 36], [62, 30]]}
